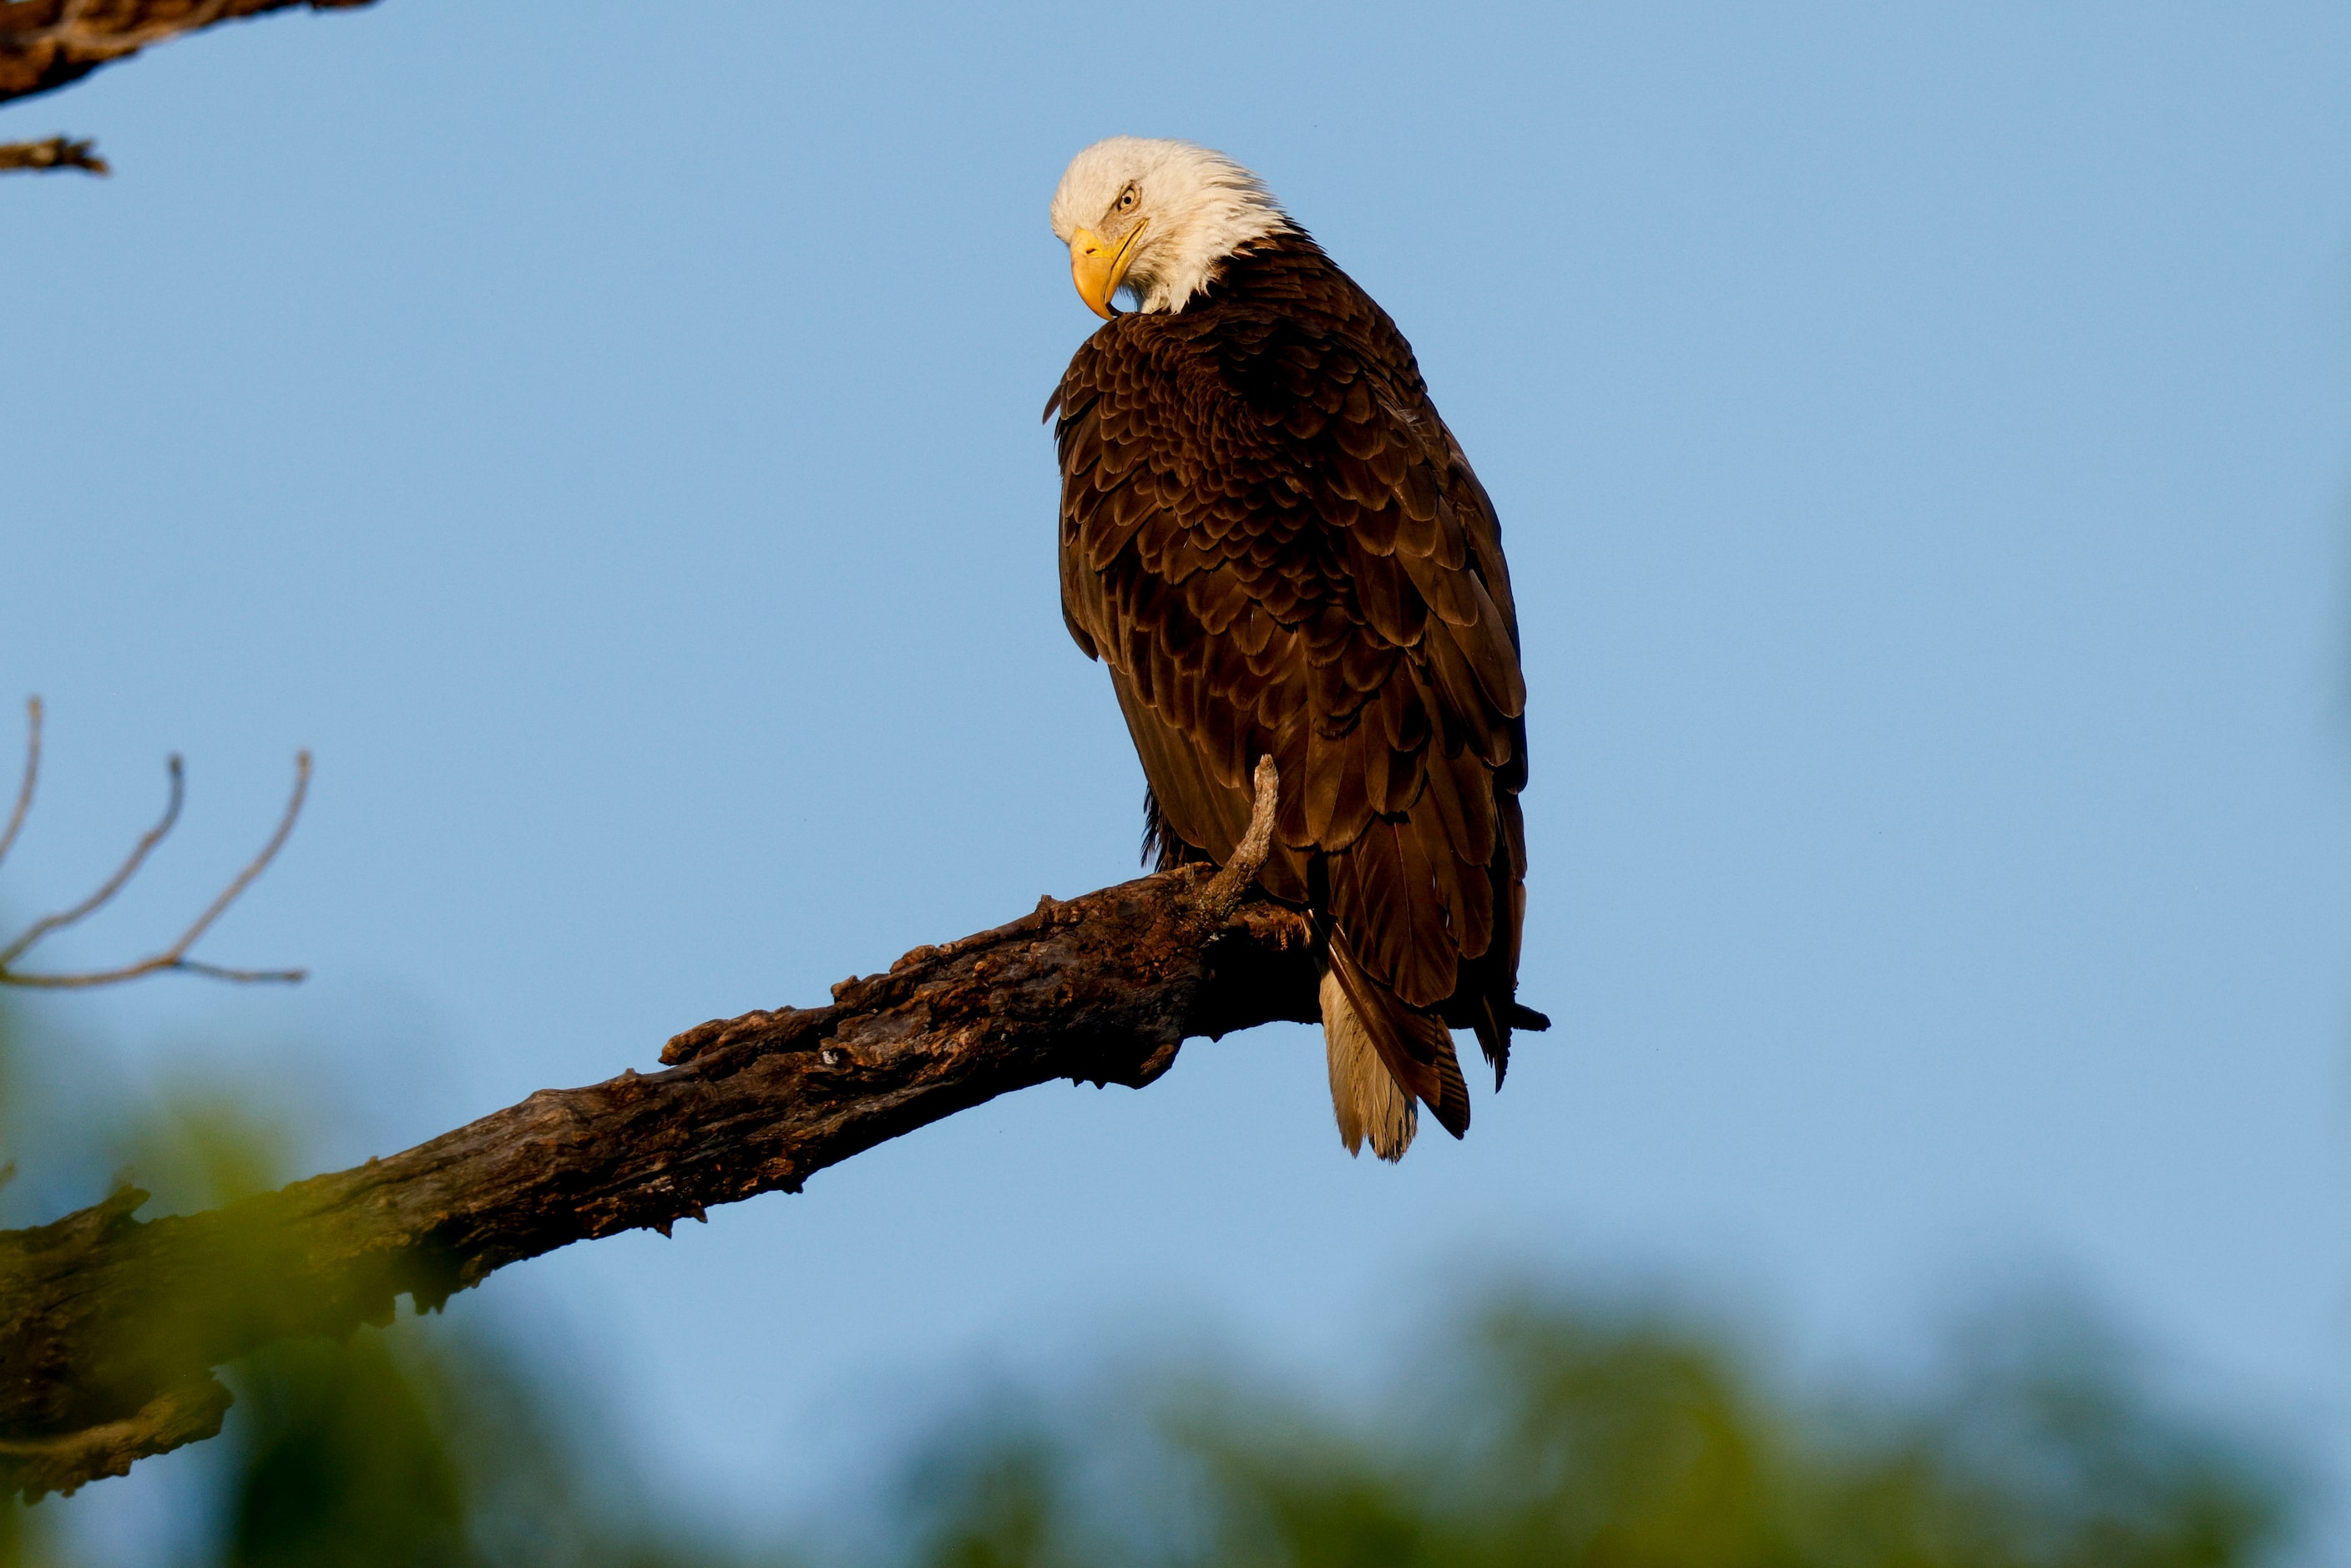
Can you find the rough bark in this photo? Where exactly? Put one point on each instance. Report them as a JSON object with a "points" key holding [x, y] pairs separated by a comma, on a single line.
{"points": [[109, 1327], [46, 44]]}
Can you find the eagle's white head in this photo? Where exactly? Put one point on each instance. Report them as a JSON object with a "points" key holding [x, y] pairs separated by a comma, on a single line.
{"points": [[1157, 217]]}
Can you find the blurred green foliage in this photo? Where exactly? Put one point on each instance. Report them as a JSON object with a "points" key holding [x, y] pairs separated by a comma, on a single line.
{"points": [[1554, 1432], [415, 1448], [1539, 1430]]}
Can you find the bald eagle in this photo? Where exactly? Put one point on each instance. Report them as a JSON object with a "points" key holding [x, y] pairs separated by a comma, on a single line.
{"points": [[1278, 548]]}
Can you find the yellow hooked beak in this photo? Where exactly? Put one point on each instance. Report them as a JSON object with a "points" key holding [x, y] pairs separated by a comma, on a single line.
{"points": [[1098, 267]]}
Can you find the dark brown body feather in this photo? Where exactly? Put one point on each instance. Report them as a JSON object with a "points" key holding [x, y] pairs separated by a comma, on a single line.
{"points": [[1277, 547]]}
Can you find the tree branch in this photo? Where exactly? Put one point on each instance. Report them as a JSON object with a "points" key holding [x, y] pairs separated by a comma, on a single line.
{"points": [[1227, 888], [32, 777], [103, 1316], [57, 153], [47, 44], [175, 957]]}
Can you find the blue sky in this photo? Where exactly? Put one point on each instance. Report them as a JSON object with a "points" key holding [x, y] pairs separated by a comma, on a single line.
{"points": [[1920, 440]]}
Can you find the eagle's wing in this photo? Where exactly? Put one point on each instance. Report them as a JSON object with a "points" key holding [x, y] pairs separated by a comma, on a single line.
{"points": [[1277, 547]]}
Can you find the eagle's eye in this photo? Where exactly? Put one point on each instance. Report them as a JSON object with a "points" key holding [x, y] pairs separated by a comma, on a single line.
{"points": [[1126, 200]]}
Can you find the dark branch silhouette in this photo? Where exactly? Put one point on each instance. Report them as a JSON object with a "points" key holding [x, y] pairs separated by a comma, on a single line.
{"points": [[175, 957], [57, 153], [47, 44], [109, 1327]]}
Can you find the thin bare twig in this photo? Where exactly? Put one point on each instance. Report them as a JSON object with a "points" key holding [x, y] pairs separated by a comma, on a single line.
{"points": [[32, 774], [112, 885], [48, 156], [175, 957]]}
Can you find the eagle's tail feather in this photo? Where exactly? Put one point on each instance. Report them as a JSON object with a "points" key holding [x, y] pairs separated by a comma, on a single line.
{"points": [[1364, 1095], [1384, 1056]]}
